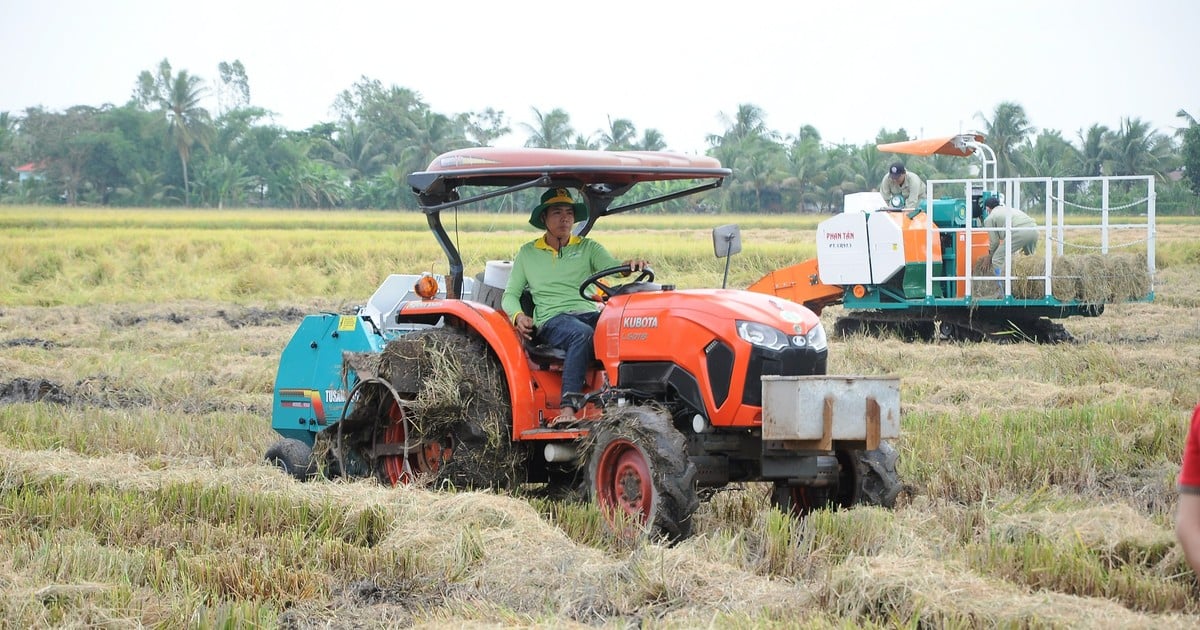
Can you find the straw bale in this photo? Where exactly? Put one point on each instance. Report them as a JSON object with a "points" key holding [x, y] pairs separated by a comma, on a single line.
{"points": [[982, 271], [1094, 279], [1023, 285], [1128, 276], [1065, 279]]}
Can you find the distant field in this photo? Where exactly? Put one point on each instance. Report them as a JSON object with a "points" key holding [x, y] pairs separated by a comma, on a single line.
{"points": [[1040, 479]]}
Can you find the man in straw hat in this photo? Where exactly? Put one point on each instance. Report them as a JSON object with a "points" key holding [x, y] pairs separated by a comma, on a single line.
{"points": [[553, 267]]}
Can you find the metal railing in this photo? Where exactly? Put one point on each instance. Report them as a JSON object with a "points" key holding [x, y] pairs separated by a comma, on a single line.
{"points": [[1057, 194]]}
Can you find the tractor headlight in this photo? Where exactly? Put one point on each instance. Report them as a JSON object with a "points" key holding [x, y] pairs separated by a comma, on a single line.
{"points": [[815, 338], [763, 335]]}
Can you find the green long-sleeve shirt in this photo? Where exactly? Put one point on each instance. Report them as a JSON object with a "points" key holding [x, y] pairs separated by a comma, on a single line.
{"points": [[553, 278]]}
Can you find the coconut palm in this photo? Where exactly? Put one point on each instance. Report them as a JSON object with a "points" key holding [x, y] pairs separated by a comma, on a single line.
{"points": [[652, 140], [1006, 132], [551, 130], [1091, 153], [1136, 149], [621, 135], [178, 97]]}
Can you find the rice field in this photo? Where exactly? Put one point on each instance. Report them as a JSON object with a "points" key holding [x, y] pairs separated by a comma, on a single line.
{"points": [[138, 351]]}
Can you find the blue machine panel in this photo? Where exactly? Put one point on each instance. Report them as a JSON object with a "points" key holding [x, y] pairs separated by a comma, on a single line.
{"points": [[310, 394]]}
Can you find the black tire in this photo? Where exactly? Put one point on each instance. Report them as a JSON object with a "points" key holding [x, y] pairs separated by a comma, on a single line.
{"points": [[868, 477], [293, 457], [638, 472]]}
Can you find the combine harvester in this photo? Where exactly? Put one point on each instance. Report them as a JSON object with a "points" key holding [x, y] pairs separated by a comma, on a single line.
{"points": [[911, 272]]}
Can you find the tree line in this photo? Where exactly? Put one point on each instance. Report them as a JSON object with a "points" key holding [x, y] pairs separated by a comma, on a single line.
{"points": [[163, 148]]}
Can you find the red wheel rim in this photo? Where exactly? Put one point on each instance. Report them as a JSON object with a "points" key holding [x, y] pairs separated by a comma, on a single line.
{"points": [[623, 482], [423, 458]]}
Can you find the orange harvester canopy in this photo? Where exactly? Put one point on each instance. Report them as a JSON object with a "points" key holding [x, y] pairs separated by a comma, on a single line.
{"points": [[948, 145]]}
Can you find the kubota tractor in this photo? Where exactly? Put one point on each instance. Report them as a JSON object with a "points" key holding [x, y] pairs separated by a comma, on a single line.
{"points": [[690, 389]]}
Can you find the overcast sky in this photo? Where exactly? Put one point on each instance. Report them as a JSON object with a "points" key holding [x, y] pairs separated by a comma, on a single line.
{"points": [[846, 68]]}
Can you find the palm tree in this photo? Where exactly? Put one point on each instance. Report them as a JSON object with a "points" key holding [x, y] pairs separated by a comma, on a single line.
{"points": [[1091, 154], [806, 168], [621, 135], [430, 134], [549, 131], [1050, 155], [355, 151], [1136, 149], [1008, 130], [652, 140], [178, 97]]}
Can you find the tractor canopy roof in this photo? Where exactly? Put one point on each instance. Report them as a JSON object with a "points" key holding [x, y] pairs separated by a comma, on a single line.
{"points": [[600, 176]]}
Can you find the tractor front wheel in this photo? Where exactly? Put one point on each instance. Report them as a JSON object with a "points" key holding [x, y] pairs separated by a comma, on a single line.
{"points": [[639, 474], [866, 478]]}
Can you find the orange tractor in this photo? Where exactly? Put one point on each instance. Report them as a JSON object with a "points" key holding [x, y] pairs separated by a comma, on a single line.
{"points": [[691, 389]]}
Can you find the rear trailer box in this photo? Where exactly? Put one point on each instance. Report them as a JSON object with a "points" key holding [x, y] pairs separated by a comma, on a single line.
{"points": [[824, 409]]}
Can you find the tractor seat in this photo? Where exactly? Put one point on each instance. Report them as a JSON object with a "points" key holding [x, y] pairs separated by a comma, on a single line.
{"points": [[544, 353]]}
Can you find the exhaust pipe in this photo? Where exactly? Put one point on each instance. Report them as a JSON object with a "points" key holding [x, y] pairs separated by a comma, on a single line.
{"points": [[560, 452]]}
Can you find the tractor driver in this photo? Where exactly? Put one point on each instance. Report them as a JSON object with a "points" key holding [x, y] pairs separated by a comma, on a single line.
{"points": [[552, 268], [898, 181]]}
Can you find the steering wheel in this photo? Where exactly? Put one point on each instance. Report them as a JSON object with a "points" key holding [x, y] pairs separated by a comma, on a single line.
{"points": [[604, 291]]}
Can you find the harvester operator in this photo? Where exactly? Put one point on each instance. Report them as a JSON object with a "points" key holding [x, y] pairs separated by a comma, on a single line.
{"points": [[899, 181], [1024, 237], [553, 267]]}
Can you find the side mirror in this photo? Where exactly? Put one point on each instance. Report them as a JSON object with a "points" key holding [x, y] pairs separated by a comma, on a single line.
{"points": [[727, 241]]}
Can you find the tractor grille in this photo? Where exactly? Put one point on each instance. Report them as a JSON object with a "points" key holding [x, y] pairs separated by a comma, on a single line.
{"points": [[786, 362]]}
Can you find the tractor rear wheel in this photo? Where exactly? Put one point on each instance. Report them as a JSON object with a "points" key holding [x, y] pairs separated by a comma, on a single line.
{"points": [[423, 458], [639, 474], [457, 423]]}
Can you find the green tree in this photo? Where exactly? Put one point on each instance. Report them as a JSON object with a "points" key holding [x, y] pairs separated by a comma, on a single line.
{"points": [[8, 134], [74, 146], [652, 140], [430, 134], [551, 130], [1091, 153], [482, 128], [177, 96], [145, 188], [1008, 130], [356, 152], [233, 92], [1136, 149], [1190, 151], [621, 135]]}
